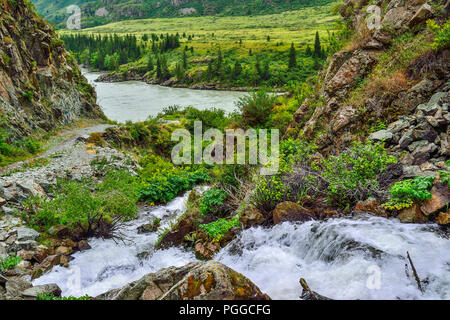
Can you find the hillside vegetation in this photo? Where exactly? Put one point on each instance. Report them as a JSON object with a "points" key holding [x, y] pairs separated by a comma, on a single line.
{"points": [[257, 51], [117, 10]]}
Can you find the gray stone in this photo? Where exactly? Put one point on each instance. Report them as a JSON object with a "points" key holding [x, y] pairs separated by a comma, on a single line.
{"points": [[417, 144], [384, 135], [406, 139], [33, 292], [425, 12], [429, 109], [398, 126], [25, 234], [436, 98], [8, 210], [15, 286]]}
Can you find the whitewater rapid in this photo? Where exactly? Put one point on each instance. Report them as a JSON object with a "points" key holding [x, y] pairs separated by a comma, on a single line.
{"points": [[361, 257]]}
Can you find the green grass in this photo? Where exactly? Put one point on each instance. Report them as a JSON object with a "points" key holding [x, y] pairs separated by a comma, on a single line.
{"points": [[293, 26]]}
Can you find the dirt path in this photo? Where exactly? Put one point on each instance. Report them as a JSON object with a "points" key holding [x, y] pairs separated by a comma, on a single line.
{"points": [[64, 142]]}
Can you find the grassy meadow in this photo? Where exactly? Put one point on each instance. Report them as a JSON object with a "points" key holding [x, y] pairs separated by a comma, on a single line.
{"points": [[295, 26]]}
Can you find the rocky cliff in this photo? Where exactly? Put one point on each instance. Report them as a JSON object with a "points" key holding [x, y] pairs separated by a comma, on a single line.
{"points": [[388, 82], [41, 86]]}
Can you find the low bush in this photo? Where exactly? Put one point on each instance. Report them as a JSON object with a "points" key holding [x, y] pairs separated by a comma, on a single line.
{"points": [[85, 208], [9, 263], [51, 296], [162, 181], [212, 200], [352, 175], [216, 230], [405, 193], [442, 34], [256, 108]]}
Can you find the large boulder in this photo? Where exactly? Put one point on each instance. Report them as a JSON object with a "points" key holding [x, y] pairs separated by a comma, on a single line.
{"points": [[440, 197], [251, 217], [411, 215], [15, 286], [195, 281], [290, 211]]}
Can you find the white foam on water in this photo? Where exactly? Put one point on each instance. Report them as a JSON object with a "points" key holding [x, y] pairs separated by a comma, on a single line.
{"points": [[333, 256]]}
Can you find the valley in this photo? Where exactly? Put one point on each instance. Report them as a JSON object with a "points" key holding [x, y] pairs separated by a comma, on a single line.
{"points": [[93, 205]]}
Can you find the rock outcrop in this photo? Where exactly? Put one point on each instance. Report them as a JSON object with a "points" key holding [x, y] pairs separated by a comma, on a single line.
{"points": [[353, 96], [195, 281], [41, 86]]}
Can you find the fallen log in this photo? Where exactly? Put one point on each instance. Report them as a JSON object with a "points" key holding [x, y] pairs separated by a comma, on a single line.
{"points": [[308, 294]]}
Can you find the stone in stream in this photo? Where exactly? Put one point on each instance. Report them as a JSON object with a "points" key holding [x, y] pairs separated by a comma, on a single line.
{"points": [[198, 280], [33, 292], [290, 211]]}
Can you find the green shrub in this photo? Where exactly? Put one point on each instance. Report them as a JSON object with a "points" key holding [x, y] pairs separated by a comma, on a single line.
{"points": [[85, 208], [445, 177], [28, 96], [212, 200], [352, 175], [256, 108], [216, 230], [442, 34], [210, 118], [51, 296], [405, 193], [166, 186], [9, 263], [301, 150]]}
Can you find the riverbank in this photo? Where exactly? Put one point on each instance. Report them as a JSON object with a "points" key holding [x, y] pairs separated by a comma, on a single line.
{"points": [[173, 83]]}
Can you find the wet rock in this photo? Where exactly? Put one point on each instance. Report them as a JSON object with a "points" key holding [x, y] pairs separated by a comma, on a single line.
{"points": [[147, 228], [48, 263], [206, 251], [411, 215], [370, 205], [250, 217], [83, 245], [33, 292], [290, 211], [65, 251], [440, 197], [15, 286], [196, 281], [443, 218]]}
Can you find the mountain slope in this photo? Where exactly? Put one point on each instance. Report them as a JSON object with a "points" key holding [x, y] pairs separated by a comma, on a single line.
{"points": [[41, 85], [116, 10]]}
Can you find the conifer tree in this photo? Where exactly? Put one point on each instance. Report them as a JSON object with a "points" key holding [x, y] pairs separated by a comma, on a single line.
{"points": [[292, 57], [317, 46]]}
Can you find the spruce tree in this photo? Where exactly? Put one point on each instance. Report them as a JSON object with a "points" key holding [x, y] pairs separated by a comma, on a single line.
{"points": [[292, 57], [184, 59], [158, 69], [317, 46], [237, 69], [150, 65]]}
